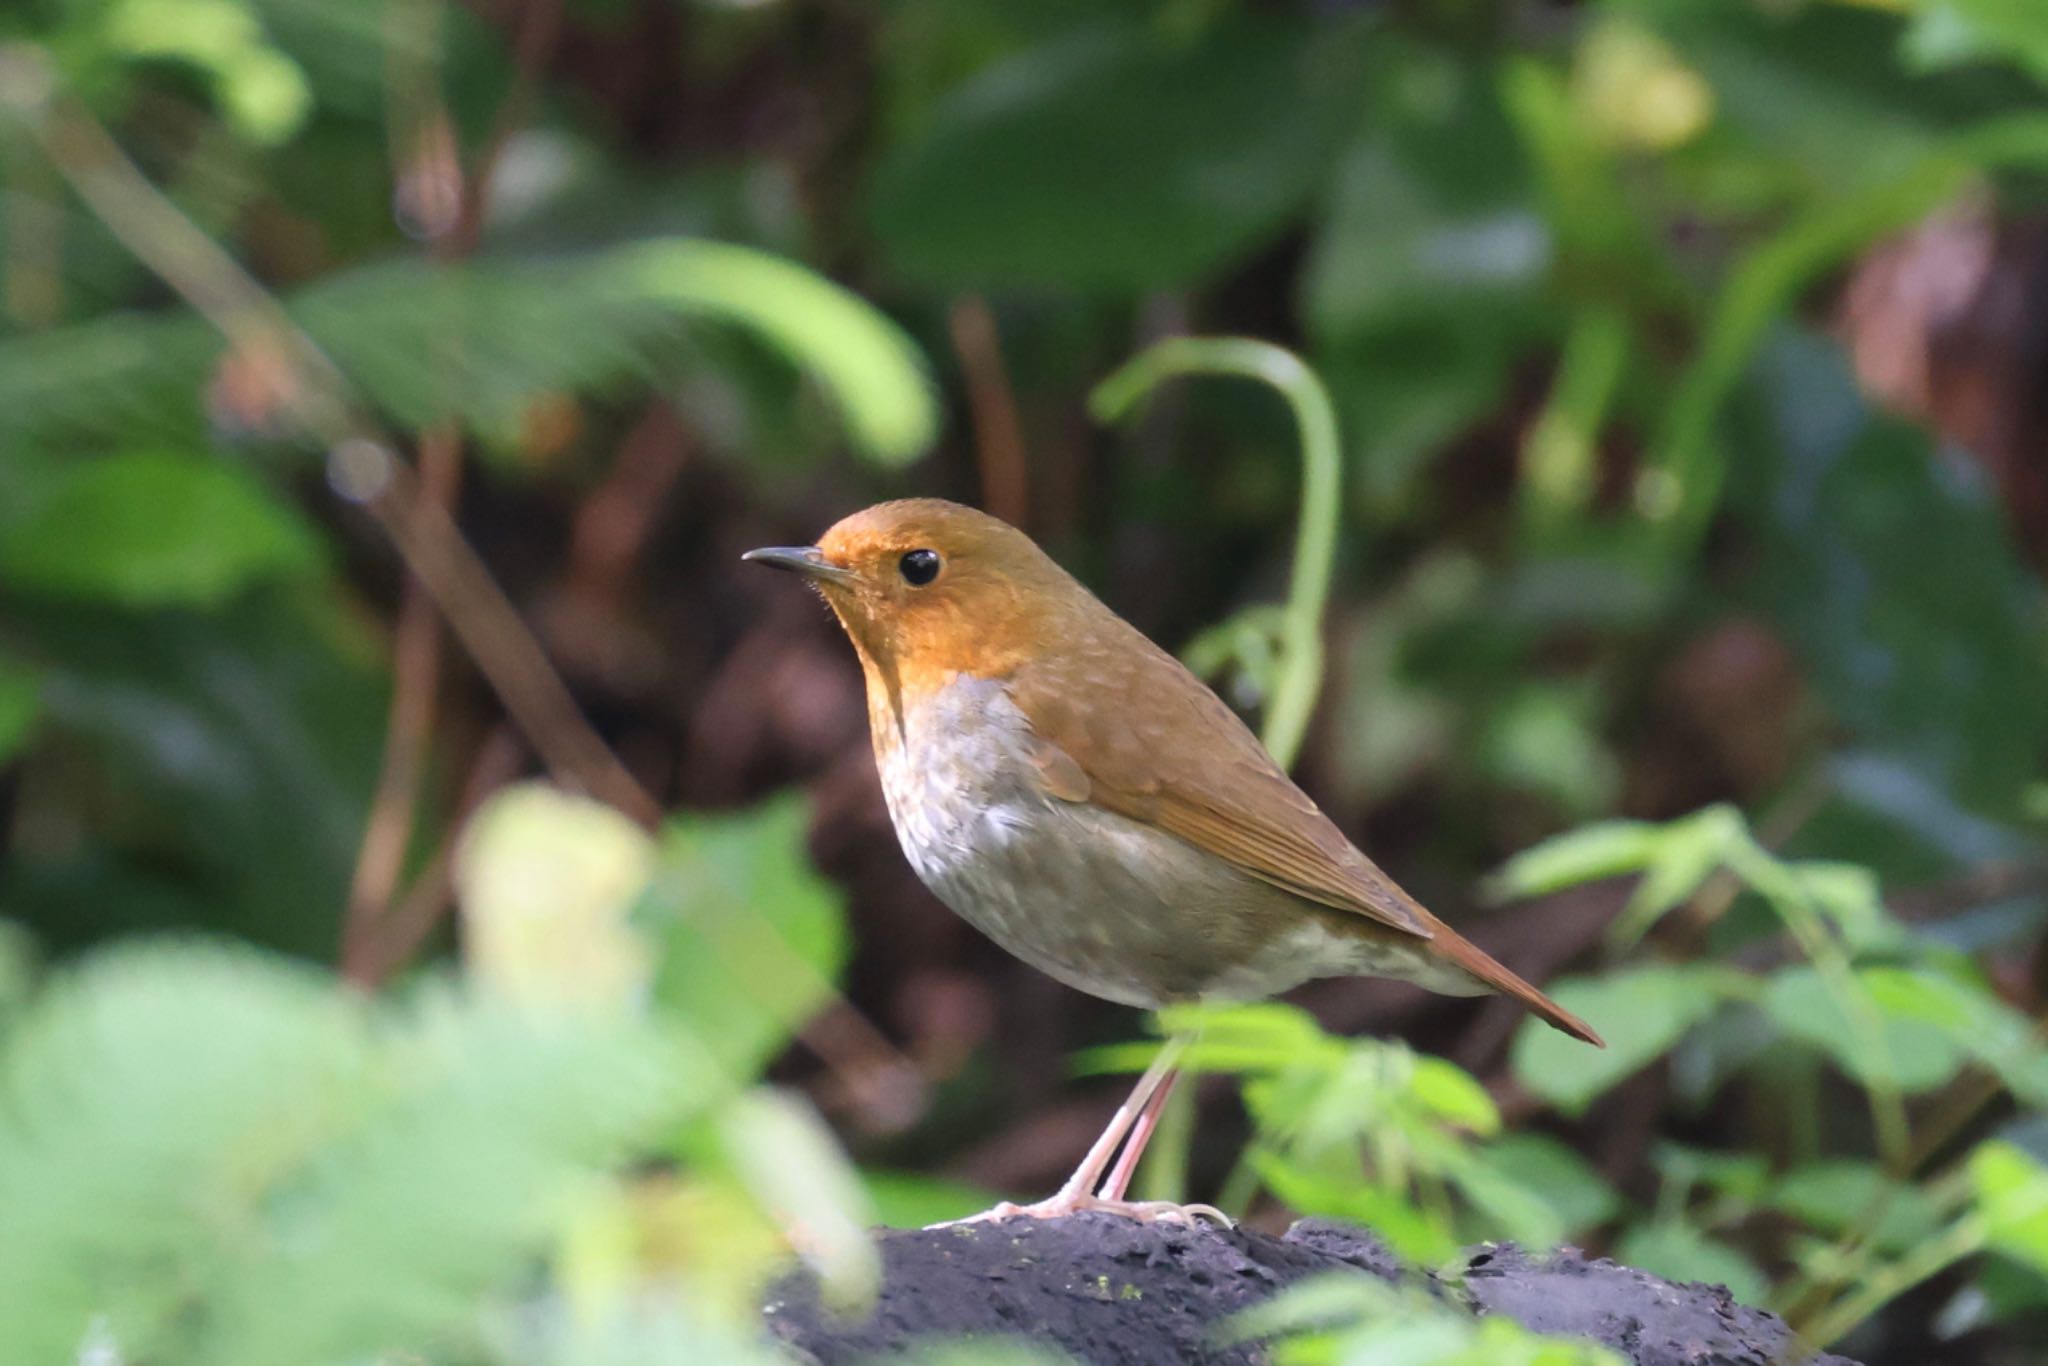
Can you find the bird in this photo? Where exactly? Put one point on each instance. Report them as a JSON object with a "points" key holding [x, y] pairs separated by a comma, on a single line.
{"points": [[1079, 796]]}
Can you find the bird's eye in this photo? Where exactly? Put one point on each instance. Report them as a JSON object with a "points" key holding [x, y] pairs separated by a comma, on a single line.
{"points": [[919, 567]]}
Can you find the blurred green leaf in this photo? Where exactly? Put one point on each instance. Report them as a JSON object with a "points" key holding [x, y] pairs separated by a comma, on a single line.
{"points": [[1640, 1011], [1832, 1194], [1740, 1176], [751, 938], [261, 89], [1577, 1194], [1114, 158], [1970, 1017], [1953, 32], [21, 703], [229, 759], [1589, 853], [1680, 1252], [147, 530], [485, 341], [150, 1091], [1903, 1053], [1455, 1096], [493, 1123], [1352, 1317], [1932, 658], [2012, 1200], [545, 880], [870, 368]]}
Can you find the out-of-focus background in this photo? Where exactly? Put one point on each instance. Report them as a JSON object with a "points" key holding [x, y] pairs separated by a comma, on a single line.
{"points": [[387, 391]]}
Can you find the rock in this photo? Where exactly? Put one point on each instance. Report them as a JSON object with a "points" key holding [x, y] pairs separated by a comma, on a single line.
{"points": [[1114, 1292]]}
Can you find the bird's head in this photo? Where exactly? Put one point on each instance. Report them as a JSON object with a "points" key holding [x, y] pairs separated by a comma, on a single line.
{"points": [[928, 589]]}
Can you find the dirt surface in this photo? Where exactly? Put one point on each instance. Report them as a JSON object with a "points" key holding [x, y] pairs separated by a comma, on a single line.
{"points": [[1114, 1292]]}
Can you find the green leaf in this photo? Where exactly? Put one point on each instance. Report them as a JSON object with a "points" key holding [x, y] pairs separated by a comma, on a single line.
{"points": [[21, 704], [262, 90], [1955, 32], [496, 1121], [751, 938], [1680, 1252], [2012, 1200], [870, 368], [1899, 1051], [152, 1092], [546, 881], [1972, 1018], [1453, 1095], [1115, 159], [1591, 853], [1641, 1012], [504, 335], [149, 530], [1832, 1195], [1577, 1194]]}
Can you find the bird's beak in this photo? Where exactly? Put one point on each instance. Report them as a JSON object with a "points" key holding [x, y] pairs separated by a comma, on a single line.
{"points": [[801, 559]]}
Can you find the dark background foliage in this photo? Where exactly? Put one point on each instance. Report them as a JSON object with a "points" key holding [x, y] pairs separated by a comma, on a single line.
{"points": [[1691, 363]]}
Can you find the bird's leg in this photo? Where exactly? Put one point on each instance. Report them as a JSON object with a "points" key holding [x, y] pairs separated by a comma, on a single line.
{"points": [[1134, 1147], [1079, 1191]]}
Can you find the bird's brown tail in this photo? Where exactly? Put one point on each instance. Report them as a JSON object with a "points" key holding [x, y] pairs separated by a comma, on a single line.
{"points": [[1476, 961]]}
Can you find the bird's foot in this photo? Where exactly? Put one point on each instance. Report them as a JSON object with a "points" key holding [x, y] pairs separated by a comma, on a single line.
{"points": [[1063, 1204]]}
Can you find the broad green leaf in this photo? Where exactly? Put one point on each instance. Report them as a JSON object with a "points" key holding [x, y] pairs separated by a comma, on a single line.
{"points": [[1972, 1018], [750, 937], [1738, 1175], [154, 1091], [1591, 853], [1577, 1194], [1879, 1046], [148, 530], [872, 371], [2012, 1200], [1453, 1095], [1116, 158], [546, 881], [1956, 32], [21, 704], [495, 1121], [504, 335], [1834, 1194], [1641, 1012], [262, 90], [1680, 1252]]}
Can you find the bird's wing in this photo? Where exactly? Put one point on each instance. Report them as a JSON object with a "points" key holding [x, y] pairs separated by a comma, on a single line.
{"points": [[1122, 724]]}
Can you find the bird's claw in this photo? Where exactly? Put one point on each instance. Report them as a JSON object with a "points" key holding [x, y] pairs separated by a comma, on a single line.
{"points": [[1059, 1206]]}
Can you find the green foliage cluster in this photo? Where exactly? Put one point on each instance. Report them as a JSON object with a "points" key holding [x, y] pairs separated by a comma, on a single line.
{"points": [[1588, 241]]}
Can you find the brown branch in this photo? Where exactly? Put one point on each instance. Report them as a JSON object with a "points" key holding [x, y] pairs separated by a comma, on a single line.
{"points": [[416, 638], [392, 939], [998, 432], [491, 630]]}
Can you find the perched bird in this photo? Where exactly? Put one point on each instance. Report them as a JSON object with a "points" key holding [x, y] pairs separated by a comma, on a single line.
{"points": [[1073, 792]]}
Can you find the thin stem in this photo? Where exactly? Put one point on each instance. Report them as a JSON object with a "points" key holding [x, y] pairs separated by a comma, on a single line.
{"points": [[1299, 674], [1962, 1239]]}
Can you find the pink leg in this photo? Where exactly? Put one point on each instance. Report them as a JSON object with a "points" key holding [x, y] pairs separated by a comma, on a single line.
{"points": [[1141, 1134], [1134, 1119]]}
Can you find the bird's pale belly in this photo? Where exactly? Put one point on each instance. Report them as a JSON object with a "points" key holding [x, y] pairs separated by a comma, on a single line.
{"points": [[1105, 904]]}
